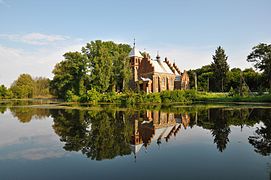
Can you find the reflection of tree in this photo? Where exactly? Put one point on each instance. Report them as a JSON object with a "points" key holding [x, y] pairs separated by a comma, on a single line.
{"points": [[98, 135], [71, 126], [220, 129], [25, 114], [3, 109], [109, 136], [262, 138]]}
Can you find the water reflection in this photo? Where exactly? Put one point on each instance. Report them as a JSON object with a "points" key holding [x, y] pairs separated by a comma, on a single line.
{"points": [[106, 134], [26, 114], [98, 135], [156, 126], [261, 140]]}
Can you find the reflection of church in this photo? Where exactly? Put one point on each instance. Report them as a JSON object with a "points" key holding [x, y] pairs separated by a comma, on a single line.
{"points": [[156, 126]]}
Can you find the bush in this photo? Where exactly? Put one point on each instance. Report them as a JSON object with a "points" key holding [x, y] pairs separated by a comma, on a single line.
{"points": [[71, 97], [111, 97], [152, 98], [231, 92], [92, 96], [190, 95]]}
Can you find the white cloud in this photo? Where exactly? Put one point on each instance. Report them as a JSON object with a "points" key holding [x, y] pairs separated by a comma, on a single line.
{"points": [[34, 38], [16, 61]]}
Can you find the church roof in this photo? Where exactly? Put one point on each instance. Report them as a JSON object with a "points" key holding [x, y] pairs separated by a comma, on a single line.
{"points": [[135, 53], [161, 67]]}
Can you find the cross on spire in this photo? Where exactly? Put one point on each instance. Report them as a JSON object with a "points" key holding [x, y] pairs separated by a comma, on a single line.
{"points": [[134, 42]]}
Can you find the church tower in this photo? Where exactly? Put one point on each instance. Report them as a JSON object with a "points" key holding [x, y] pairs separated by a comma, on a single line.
{"points": [[135, 60]]}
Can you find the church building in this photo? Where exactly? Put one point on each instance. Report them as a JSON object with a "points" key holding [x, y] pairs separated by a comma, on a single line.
{"points": [[155, 75]]}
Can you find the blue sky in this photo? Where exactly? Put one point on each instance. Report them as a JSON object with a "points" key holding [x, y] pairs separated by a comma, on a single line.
{"points": [[34, 34]]}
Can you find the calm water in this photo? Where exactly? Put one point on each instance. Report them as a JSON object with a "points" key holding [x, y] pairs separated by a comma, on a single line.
{"points": [[198, 142]]}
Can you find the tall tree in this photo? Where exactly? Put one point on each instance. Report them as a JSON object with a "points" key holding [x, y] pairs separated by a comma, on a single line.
{"points": [[23, 87], [261, 57], [70, 75], [108, 64], [102, 65], [41, 87], [220, 68], [3, 91]]}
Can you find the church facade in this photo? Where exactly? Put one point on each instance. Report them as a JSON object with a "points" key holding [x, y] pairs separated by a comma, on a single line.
{"points": [[155, 75]]}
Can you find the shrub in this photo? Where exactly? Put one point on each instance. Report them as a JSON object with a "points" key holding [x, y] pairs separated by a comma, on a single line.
{"points": [[92, 96], [111, 97], [152, 98], [71, 97]]}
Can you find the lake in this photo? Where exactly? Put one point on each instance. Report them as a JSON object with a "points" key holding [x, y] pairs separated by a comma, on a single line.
{"points": [[47, 140]]}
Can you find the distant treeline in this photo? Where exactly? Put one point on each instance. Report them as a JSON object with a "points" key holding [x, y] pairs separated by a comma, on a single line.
{"points": [[26, 87]]}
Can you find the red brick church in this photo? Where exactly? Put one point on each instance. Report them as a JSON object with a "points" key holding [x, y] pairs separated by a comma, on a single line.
{"points": [[155, 75]]}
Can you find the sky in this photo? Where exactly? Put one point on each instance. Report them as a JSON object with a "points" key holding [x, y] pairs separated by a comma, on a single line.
{"points": [[34, 34]]}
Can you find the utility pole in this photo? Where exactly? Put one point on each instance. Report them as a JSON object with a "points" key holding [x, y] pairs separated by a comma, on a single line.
{"points": [[241, 85], [222, 84], [208, 84], [196, 81]]}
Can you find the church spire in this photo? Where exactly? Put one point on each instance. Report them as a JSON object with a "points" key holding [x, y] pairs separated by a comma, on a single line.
{"points": [[134, 52], [158, 57]]}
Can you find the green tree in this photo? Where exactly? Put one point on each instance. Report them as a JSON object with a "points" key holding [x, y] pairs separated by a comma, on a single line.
{"points": [[220, 68], [23, 87], [233, 79], [3, 91], [41, 87], [204, 77], [253, 79], [70, 75], [108, 64], [261, 57], [103, 66]]}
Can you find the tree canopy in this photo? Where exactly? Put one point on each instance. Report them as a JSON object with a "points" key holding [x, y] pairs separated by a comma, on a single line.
{"points": [[27, 87], [220, 68], [101, 65], [23, 87], [261, 57]]}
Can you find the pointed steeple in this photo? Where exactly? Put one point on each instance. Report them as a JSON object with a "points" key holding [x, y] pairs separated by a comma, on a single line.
{"points": [[134, 52], [158, 57]]}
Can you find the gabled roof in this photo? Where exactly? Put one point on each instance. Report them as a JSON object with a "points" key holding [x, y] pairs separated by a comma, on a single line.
{"points": [[161, 67], [135, 53]]}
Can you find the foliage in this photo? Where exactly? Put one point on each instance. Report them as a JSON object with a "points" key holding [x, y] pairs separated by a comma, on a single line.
{"points": [[71, 97], [23, 87], [231, 92], [220, 68], [109, 65], [261, 57], [3, 91], [27, 87], [41, 87], [204, 78], [92, 96], [103, 66], [70, 75]]}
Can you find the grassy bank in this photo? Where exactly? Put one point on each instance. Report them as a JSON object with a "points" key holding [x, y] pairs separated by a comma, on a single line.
{"points": [[164, 97], [223, 97]]}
